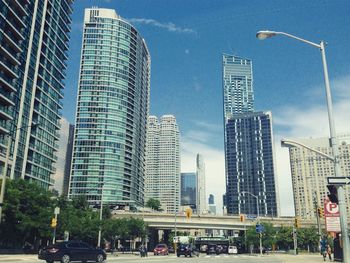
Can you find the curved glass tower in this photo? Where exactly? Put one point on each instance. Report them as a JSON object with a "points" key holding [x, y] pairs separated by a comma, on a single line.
{"points": [[112, 109]]}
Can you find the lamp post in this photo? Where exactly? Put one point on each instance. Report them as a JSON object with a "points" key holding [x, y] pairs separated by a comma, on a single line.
{"points": [[333, 140], [258, 215], [100, 228], [7, 159]]}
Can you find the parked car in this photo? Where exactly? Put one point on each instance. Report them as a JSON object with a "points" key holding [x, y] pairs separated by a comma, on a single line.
{"points": [[171, 249], [211, 249], [72, 251], [161, 249], [187, 250], [232, 250]]}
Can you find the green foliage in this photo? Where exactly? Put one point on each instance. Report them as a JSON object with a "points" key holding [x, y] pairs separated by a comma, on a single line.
{"points": [[27, 213], [154, 204]]}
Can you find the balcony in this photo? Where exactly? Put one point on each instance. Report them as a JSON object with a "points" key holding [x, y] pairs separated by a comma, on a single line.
{"points": [[11, 56], [12, 41], [4, 65], [19, 7], [5, 115], [6, 83], [6, 101]]}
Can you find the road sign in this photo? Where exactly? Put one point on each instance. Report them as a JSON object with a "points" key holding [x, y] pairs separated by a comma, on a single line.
{"points": [[338, 180], [251, 216], [332, 217], [259, 228]]}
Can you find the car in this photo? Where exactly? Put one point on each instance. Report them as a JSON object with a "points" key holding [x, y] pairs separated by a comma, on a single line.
{"points": [[187, 250], [211, 249], [161, 249], [232, 250], [171, 249], [68, 251]]}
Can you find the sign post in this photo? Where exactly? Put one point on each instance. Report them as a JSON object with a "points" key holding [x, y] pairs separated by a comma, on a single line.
{"points": [[332, 217]]}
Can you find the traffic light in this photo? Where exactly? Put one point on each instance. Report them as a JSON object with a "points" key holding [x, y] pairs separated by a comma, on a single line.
{"points": [[241, 217], [188, 212], [296, 222], [333, 193], [320, 212], [53, 222]]}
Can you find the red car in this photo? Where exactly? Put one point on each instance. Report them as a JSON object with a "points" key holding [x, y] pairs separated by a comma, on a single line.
{"points": [[161, 249]]}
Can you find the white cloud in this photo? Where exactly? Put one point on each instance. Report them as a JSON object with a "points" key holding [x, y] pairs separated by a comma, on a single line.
{"points": [[304, 122], [290, 121], [169, 26], [187, 51]]}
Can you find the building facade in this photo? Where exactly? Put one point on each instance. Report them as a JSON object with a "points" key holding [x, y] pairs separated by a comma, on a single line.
{"points": [[211, 205], [189, 190], [34, 37], [250, 164], [201, 193], [310, 171], [112, 108], [249, 154], [163, 162]]}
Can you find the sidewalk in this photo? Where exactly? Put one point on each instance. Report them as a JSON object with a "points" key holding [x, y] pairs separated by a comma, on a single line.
{"points": [[306, 258], [18, 257]]}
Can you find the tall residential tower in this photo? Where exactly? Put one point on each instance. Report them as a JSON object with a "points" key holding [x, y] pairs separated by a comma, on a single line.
{"points": [[112, 109], [201, 193], [163, 162], [33, 46], [249, 156]]}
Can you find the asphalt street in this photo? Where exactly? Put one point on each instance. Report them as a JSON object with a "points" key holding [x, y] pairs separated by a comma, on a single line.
{"points": [[131, 258]]}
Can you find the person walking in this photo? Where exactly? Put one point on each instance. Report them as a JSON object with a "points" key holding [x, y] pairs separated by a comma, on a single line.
{"points": [[329, 252], [323, 248]]}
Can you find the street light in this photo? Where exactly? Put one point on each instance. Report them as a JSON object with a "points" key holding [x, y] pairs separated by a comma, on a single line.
{"points": [[257, 209], [101, 212], [335, 151], [7, 159]]}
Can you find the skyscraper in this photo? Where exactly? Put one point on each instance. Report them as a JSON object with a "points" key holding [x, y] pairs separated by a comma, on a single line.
{"points": [[249, 156], [188, 189], [250, 164], [310, 171], [201, 193], [33, 46], [163, 162], [112, 109], [211, 205], [237, 85]]}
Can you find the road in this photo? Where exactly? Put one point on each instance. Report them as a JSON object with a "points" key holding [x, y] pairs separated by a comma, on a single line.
{"points": [[313, 258]]}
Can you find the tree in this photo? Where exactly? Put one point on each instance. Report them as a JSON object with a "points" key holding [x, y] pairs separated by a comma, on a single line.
{"points": [[28, 209], [154, 204], [284, 237]]}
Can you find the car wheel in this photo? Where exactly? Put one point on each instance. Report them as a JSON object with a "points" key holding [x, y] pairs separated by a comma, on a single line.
{"points": [[65, 258], [99, 258], [178, 255]]}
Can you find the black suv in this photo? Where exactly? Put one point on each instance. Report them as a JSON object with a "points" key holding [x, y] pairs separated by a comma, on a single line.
{"points": [[72, 251], [187, 250]]}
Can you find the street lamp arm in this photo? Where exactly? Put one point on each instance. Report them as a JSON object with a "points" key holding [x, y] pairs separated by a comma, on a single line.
{"points": [[289, 143], [267, 33]]}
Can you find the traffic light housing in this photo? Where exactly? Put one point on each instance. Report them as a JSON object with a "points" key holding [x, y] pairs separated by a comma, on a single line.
{"points": [[320, 212], [53, 222], [297, 222], [333, 193], [188, 212], [241, 217]]}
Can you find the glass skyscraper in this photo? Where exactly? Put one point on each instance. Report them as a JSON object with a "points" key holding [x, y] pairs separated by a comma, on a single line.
{"points": [[249, 156], [188, 189], [112, 108], [33, 46]]}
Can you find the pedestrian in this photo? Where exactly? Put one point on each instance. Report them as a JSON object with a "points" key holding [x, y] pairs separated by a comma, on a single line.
{"points": [[323, 248], [329, 252]]}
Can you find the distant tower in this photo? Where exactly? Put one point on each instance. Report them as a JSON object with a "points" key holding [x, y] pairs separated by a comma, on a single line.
{"points": [[163, 162], [188, 189], [113, 103], [249, 155], [201, 195], [211, 205]]}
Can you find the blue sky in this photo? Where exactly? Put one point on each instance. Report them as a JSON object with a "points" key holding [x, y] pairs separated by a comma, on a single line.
{"points": [[186, 39]]}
